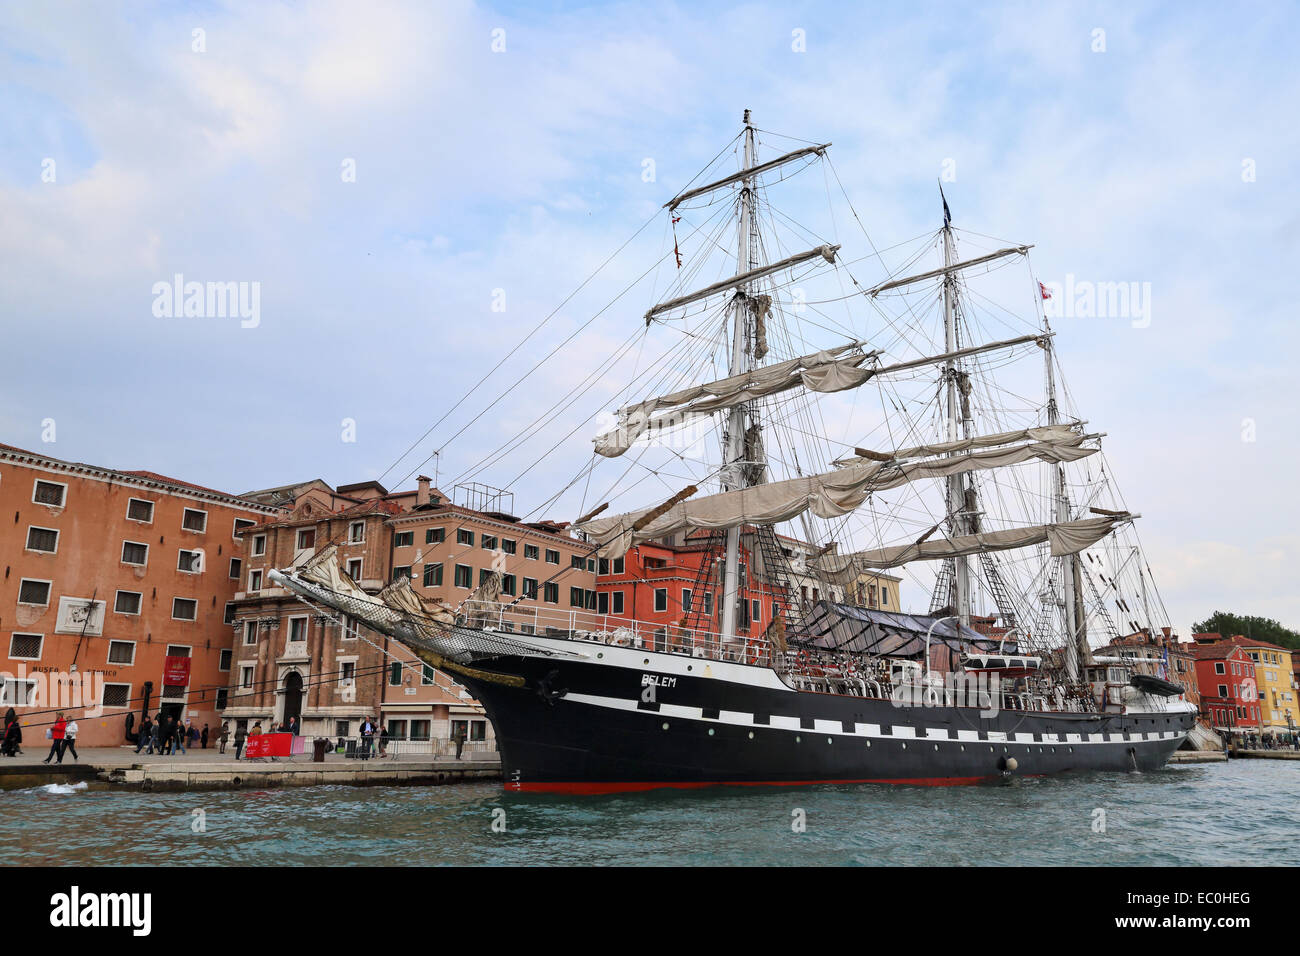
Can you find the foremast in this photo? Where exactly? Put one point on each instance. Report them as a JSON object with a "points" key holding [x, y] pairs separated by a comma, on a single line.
{"points": [[958, 510], [735, 470]]}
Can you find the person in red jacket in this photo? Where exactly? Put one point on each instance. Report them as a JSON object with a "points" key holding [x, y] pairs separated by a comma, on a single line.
{"points": [[56, 738]]}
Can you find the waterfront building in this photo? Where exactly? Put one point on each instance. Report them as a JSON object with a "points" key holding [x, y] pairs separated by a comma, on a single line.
{"points": [[118, 591], [1150, 653], [1279, 711], [332, 673], [1226, 678]]}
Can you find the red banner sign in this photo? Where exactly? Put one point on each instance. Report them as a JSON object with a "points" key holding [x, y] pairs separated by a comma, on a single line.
{"points": [[268, 745], [176, 671]]}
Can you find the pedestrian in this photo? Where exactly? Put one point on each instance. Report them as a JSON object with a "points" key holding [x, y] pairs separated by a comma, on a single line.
{"points": [[459, 736], [383, 742], [204, 736], [179, 732], [240, 735], [194, 734], [145, 737], [13, 737], [156, 738], [55, 733], [367, 735], [70, 740], [223, 737]]}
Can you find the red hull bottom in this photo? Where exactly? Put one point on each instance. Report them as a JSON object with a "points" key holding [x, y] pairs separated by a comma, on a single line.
{"points": [[593, 787]]}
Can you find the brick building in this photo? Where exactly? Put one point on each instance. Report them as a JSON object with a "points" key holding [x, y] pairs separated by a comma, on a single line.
{"points": [[108, 573], [333, 673]]}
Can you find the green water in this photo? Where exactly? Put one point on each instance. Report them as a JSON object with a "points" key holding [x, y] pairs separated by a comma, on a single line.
{"points": [[1242, 812]]}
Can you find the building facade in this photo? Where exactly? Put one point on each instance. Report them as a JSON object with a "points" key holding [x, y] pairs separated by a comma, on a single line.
{"points": [[1279, 711], [118, 591], [1226, 677]]}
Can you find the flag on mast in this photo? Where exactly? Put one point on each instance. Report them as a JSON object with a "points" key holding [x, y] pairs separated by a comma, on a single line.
{"points": [[947, 216], [1044, 291]]}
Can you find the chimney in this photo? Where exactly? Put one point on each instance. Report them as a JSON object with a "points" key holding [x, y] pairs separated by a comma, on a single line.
{"points": [[421, 490]]}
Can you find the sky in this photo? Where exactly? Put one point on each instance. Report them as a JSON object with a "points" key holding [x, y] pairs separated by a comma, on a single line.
{"points": [[385, 174]]}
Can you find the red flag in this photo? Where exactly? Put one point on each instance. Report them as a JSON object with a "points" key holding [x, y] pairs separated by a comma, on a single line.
{"points": [[1044, 291]]}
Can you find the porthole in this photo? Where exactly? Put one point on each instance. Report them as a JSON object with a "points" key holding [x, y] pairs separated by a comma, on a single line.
{"points": [[936, 746], [991, 749], [868, 743], [904, 746], [1006, 750], [963, 748], [599, 655], [646, 661], [665, 726], [710, 731], [829, 740], [751, 735], [689, 667]]}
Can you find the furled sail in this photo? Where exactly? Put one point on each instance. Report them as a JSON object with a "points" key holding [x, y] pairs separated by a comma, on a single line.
{"points": [[739, 280], [827, 495], [1047, 433], [1068, 537], [945, 270], [829, 370]]}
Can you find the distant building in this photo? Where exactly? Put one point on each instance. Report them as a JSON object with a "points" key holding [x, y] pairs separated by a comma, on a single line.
{"points": [[1274, 674], [331, 672], [1161, 655], [107, 575], [1226, 677]]}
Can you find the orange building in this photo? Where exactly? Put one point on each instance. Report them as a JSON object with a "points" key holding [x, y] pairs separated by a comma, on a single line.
{"points": [[107, 574]]}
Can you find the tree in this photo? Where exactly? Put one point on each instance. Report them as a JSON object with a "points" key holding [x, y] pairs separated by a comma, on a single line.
{"points": [[1258, 628]]}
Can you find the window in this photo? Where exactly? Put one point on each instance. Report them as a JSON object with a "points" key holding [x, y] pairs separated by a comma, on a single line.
{"points": [[435, 535], [401, 571], [478, 730], [16, 693], [488, 542], [1223, 690], [185, 609], [133, 552], [426, 675], [190, 562], [464, 576], [616, 602], [139, 509], [117, 695], [618, 565], [128, 602], [433, 575], [259, 545], [686, 600], [403, 539], [255, 580], [465, 536], [708, 603], [530, 588], [756, 610], [297, 629], [31, 591], [223, 697], [351, 629], [26, 647], [395, 674], [236, 568], [551, 593], [306, 538], [242, 525], [49, 493], [531, 552], [602, 566], [884, 594], [250, 632], [194, 520], [661, 599], [1218, 667], [552, 557], [420, 729], [575, 597], [508, 584], [223, 661], [121, 652], [509, 546], [42, 539], [356, 532], [576, 561], [245, 675], [347, 673], [602, 603]]}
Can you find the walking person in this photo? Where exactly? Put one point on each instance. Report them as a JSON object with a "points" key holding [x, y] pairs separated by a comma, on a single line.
{"points": [[204, 736], [240, 736], [70, 739], [223, 737], [55, 734], [180, 732]]}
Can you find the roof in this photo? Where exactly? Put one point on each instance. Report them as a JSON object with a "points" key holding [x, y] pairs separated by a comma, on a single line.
{"points": [[847, 627], [1213, 652], [151, 477], [1247, 642]]}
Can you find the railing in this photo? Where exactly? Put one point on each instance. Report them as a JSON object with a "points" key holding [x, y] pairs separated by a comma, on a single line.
{"points": [[378, 747], [615, 629]]}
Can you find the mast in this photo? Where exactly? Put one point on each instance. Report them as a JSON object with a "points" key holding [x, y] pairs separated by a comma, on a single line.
{"points": [[733, 471], [1076, 640], [956, 484]]}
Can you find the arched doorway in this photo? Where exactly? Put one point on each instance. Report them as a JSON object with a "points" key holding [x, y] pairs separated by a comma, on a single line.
{"points": [[292, 697]]}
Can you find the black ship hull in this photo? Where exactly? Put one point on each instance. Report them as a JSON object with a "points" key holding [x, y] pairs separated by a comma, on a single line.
{"points": [[626, 719]]}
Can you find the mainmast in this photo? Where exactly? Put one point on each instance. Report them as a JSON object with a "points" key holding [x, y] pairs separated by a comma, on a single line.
{"points": [[1072, 614], [957, 504], [734, 470]]}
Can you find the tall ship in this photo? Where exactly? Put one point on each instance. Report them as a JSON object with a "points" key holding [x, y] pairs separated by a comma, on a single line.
{"points": [[960, 459]]}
